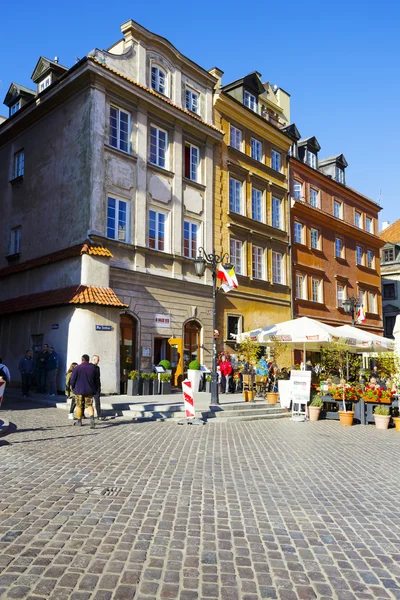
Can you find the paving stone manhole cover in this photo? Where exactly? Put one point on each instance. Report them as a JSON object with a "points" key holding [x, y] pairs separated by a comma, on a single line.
{"points": [[98, 490]]}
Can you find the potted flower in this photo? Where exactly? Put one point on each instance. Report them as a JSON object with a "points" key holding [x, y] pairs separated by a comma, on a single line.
{"points": [[382, 417], [314, 408], [194, 374], [145, 381], [377, 395], [132, 387], [165, 381], [154, 384]]}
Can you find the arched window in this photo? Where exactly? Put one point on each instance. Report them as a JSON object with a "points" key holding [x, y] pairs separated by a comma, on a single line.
{"points": [[191, 342], [127, 353], [159, 80]]}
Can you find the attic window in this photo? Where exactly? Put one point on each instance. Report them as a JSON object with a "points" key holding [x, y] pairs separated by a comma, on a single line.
{"points": [[312, 159], [15, 107], [250, 101], [339, 175], [388, 255], [44, 83]]}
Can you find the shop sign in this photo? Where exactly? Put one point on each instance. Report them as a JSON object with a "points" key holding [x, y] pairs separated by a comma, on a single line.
{"points": [[104, 328], [146, 351], [162, 320]]}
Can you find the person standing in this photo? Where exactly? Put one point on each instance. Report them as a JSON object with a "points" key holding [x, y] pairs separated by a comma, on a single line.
{"points": [[226, 374], [40, 369], [26, 368], [99, 412], [68, 390], [51, 372], [84, 384]]}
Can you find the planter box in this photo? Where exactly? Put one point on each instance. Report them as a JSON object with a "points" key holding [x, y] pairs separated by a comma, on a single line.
{"points": [[195, 378], [132, 387], [165, 387], [208, 387], [145, 387], [155, 384]]}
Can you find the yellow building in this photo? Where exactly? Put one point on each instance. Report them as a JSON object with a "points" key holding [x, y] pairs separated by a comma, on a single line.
{"points": [[251, 203]]}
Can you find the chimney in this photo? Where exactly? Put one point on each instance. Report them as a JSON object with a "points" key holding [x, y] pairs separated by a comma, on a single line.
{"points": [[218, 74], [56, 59], [384, 225]]}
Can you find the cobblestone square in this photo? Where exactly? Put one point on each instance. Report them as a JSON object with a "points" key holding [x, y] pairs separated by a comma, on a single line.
{"points": [[236, 511]]}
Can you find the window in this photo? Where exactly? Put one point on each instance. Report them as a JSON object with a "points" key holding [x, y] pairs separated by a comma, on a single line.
{"points": [[15, 107], [339, 295], [314, 237], [298, 232], [314, 197], [312, 159], [338, 248], [316, 290], [19, 164], [277, 268], [362, 298], [257, 204], [337, 209], [190, 239], [297, 190], [389, 291], [117, 219], [235, 195], [156, 230], [256, 149], [357, 219], [339, 175], [45, 83], [158, 146], [192, 162], [370, 259], [258, 262], [158, 80], [233, 326], [275, 160], [276, 212], [236, 138], [359, 255], [301, 290], [371, 302], [250, 101], [236, 257], [388, 255], [369, 225], [15, 241], [192, 100], [119, 129]]}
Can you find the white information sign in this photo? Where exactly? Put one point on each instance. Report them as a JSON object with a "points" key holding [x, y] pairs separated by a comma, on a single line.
{"points": [[162, 320], [300, 393]]}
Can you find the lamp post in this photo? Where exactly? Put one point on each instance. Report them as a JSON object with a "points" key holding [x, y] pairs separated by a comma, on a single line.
{"points": [[350, 306], [200, 263]]}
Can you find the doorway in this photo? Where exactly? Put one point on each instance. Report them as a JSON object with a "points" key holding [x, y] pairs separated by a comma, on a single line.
{"points": [[127, 349], [191, 350], [160, 349]]}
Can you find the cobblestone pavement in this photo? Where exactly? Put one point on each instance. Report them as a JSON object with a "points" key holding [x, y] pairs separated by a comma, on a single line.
{"points": [[237, 511]]}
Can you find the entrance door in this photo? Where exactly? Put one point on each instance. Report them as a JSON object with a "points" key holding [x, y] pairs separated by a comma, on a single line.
{"points": [[127, 350], [191, 343], [176, 359]]}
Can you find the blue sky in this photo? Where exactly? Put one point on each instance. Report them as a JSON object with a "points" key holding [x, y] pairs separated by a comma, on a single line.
{"points": [[338, 60]]}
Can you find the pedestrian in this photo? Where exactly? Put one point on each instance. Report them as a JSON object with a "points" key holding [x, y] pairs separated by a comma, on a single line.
{"points": [[84, 384], [99, 412], [226, 371], [40, 369], [51, 372], [68, 390], [26, 368], [4, 372]]}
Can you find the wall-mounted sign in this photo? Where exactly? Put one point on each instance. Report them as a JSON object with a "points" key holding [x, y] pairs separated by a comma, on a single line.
{"points": [[104, 328], [55, 326], [162, 320], [146, 351]]}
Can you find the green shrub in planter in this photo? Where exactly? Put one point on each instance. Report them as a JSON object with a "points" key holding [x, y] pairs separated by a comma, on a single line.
{"points": [[132, 385], [133, 375], [165, 363], [165, 379], [145, 381], [316, 401], [384, 411], [194, 365]]}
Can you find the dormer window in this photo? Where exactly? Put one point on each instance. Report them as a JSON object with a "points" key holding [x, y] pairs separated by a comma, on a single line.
{"points": [[159, 80], [45, 83], [192, 100], [250, 101], [15, 107], [339, 175], [312, 159]]}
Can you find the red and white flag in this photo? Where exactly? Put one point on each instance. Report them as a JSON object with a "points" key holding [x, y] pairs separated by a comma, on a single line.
{"points": [[228, 278], [361, 318]]}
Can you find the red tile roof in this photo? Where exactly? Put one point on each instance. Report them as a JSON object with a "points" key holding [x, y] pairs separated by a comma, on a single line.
{"points": [[81, 294], [391, 233], [47, 259]]}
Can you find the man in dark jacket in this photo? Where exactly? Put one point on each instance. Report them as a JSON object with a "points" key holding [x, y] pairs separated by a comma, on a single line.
{"points": [[84, 383], [95, 362], [41, 369], [26, 368], [51, 372]]}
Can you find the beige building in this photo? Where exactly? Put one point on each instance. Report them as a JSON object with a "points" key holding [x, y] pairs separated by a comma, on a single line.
{"points": [[115, 153]]}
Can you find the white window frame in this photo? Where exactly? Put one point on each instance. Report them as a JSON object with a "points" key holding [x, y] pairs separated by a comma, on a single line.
{"points": [[275, 200], [157, 213], [236, 255], [120, 142], [339, 205], [157, 84], [15, 107], [316, 197], [19, 164], [235, 137], [239, 322], [297, 190], [15, 240], [194, 162], [238, 185], [278, 268], [339, 174], [298, 228], [197, 238], [44, 83], [370, 259], [158, 161], [341, 247], [257, 196], [276, 160], [301, 286], [311, 159], [319, 296], [257, 262], [116, 235], [256, 149], [250, 100], [358, 219], [312, 236], [340, 297], [192, 100], [369, 225], [359, 255], [372, 309]]}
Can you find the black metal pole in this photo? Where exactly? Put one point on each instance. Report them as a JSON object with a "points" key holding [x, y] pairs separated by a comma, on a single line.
{"points": [[214, 374]]}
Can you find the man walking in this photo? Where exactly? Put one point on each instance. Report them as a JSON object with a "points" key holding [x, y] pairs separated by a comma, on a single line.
{"points": [[51, 372], [95, 362], [26, 368], [84, 383], [41, 369]]}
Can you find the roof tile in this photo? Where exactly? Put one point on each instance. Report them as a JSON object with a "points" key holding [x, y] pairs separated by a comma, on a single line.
{"points": [[391, 233]]}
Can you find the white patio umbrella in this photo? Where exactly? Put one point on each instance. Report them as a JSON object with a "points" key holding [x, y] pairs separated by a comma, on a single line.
{"points": [[364, 340], [255, 334], [301, 334]]}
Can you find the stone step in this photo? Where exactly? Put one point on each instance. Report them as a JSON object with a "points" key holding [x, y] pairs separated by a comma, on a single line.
{"points": [[244, 412], [281, 415]]}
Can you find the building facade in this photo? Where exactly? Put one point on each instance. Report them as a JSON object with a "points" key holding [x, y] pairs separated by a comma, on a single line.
{"points": [[335, 242], [390, 274], [251, 219], [115, 153]]}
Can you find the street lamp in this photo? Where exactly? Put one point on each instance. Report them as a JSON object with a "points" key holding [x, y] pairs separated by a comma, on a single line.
{"points": [[200, 263], [350, 306]]}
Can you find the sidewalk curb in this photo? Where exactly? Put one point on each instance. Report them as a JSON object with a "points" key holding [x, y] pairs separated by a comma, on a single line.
{"points": [[4, 427]]}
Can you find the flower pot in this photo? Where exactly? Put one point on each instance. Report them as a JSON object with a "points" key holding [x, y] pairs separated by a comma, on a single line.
{"points": [[382, 421], [208, 387], [145, 387], [165, 387], [246, 395], [272, 397], [346, 417], [132, 387], [156, 387], [313, 412], [195, 378], [397, 423]]}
